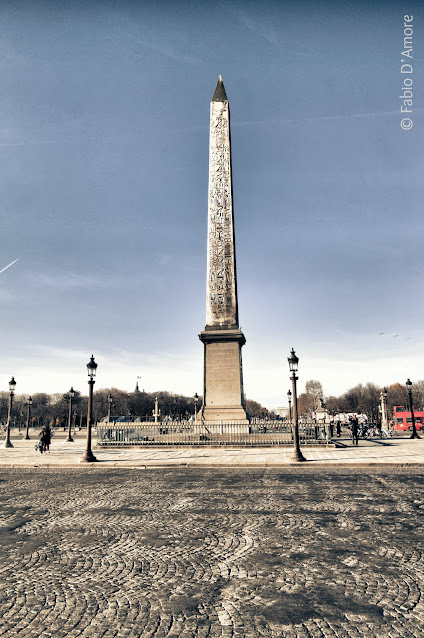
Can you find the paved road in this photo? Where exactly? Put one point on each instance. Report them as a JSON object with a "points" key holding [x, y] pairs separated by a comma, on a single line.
{"points": [[294, 552], [397, 450]]}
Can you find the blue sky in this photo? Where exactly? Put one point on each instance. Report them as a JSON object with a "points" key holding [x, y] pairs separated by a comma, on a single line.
{"points": [[103, 191]]}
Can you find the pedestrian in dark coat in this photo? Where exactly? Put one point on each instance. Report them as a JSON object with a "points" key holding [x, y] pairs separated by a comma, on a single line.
{"points": [[355, 430], [45, 438]]}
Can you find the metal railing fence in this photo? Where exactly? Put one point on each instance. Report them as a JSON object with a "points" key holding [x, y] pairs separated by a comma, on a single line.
{"points": [[257, 434]]}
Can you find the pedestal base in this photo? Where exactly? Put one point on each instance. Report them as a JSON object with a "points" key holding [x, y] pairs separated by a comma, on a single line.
{"points": [[223, 397], [224, 414]]}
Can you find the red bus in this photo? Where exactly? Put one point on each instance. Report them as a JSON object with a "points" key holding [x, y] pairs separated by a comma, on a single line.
{"points": [[402, 419]]}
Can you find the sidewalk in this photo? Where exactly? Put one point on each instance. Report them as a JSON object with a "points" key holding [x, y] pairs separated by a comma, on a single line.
{"points": [[399, 451]]}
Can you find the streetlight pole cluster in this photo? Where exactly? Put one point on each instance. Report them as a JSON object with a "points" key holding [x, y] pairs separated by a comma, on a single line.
{"points": [[88, 456]]}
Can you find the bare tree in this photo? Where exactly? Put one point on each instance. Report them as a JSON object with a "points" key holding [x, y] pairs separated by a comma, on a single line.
{"points": [[255, 409], [305, 403], [314, 388], [397, 395], [418, 395]]}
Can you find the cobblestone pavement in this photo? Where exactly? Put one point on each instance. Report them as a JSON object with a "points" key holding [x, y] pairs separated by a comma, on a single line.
{"points": [[294, 552]]}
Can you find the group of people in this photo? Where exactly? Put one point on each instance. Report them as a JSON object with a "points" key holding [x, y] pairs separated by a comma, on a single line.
{"points": [[363, 429]]}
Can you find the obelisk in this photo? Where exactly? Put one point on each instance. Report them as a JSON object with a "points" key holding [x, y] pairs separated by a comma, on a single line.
{"points": [[223, 396]]}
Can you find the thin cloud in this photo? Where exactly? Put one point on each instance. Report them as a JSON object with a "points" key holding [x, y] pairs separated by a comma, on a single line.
{"points": [[168, 52], [257, 27], [75, 140], [156, 43], [70, 281], [63, 354]]}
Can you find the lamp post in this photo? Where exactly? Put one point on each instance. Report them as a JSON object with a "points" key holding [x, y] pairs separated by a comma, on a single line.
{"points": [[29, 403], [293, 365], [88, 456], [71, 395], [109, 406], [12, 385], [289, 397], [414, 434], [196, 399]]}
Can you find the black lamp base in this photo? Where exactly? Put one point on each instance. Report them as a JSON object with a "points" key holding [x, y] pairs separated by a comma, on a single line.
{"points": [[88, 457]]}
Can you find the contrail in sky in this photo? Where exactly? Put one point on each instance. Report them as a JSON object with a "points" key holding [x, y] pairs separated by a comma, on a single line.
{"points": [[13, 262]]}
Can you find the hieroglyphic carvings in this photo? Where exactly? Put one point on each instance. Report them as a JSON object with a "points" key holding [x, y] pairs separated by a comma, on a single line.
{"points": [[221, 289]]}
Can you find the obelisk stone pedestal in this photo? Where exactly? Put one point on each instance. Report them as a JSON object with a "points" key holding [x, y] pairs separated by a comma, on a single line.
{"points": [[223, 377]]}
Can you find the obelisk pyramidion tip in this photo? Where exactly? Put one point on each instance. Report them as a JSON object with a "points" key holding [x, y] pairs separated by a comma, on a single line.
{"points": [[219, 94]]}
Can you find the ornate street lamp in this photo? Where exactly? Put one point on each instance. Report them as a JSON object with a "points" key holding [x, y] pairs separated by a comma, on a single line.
{"points": [[88, 456], [293, 365], [71, 395], [196, 399], [29, 403], [414, 434], [109, 406], [12, 385], [289, 397]]}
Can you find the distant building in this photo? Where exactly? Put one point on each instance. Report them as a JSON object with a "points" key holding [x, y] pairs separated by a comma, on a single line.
{"points": [[282, 412]]}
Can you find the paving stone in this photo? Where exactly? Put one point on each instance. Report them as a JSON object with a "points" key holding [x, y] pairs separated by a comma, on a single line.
{"points": [[295, 552]]}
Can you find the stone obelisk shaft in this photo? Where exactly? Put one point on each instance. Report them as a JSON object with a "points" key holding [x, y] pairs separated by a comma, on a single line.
{"points": [[221, 297], [223, 396]]}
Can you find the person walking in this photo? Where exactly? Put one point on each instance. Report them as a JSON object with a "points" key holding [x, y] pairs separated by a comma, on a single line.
{"points": [[354, 426], [42, 437], [45, 437], [338, 428], [48, 437]]}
